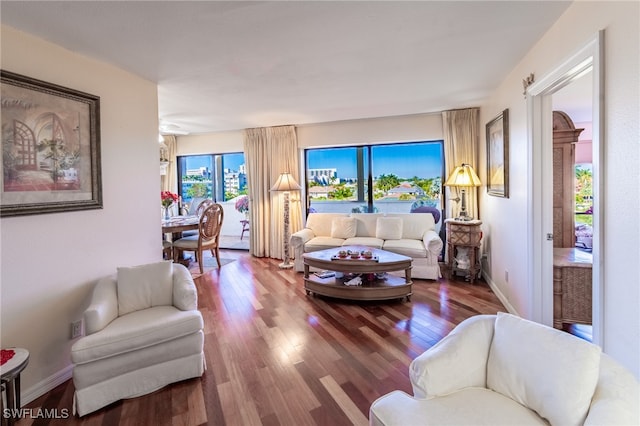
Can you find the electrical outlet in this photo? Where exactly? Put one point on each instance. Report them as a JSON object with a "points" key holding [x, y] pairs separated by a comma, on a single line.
{"points": [[76, 329], [506, 276]]}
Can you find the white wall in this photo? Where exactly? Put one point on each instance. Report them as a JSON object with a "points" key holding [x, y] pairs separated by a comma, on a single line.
{"points": [[50, 262], [505, 219]]}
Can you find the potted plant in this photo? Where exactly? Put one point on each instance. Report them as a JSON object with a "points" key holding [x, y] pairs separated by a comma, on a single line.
{"points": [[242, 205], [167, 198]]}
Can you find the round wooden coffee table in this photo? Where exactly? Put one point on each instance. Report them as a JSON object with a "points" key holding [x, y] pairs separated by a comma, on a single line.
{"points": [[389, 287]]}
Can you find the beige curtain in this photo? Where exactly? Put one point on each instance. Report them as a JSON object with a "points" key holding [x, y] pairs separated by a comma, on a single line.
{"points": [[270, 151], [170, 181], [461, 135]]}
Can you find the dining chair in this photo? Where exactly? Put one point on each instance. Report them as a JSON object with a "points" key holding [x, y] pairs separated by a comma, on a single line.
{"points": [[198, 212], [207, 239]]}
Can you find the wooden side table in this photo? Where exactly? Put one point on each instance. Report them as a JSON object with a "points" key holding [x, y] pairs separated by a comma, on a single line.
{"points": [[463, 234], [10, 380]]}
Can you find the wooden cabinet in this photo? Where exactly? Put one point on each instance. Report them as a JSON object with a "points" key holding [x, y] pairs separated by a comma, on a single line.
{"points": [[463, 247], [572, 277], [565, 136]]}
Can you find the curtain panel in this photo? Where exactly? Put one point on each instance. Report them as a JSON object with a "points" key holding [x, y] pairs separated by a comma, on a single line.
{"points": [[461, 135], [270, 151]]}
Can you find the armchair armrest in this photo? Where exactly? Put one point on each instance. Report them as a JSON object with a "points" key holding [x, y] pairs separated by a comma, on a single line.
{"points": [[432, 242], [298, 239], [104, 306], [185, 295], [457, 361], [615, 400]]}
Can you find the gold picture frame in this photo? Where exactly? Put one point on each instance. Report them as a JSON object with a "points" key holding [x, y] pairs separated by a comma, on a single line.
{"points": [[498, 155], [50, 148]]}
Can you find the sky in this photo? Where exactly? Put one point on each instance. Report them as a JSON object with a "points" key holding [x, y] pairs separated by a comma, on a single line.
{"points": [[403, 160], [230, 161]]}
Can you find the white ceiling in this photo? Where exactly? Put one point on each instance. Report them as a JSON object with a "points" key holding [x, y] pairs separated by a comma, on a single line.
{"points": [[227, 65]]}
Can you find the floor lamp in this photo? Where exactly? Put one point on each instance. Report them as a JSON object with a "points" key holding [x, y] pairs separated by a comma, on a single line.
{"points": [[286, 183], [463, 177]]}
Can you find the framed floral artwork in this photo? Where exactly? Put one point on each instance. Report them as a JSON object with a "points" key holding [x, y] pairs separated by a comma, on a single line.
{"points": [[50, 148], [498, 155]]}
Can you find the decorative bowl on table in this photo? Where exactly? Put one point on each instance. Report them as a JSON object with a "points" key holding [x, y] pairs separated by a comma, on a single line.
{"points": [[367, 254], [342, 254]]}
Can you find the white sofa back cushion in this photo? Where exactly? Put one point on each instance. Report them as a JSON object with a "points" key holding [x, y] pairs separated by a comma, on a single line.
{"points": [[320, 223], [144, 286], [414, 225], [366, 223], [544, 369], [389, 228], [343, 227]]}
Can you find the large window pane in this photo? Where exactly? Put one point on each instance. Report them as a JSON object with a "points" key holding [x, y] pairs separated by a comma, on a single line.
{"points": [[195, 177], [336, 179], [406, 176]]}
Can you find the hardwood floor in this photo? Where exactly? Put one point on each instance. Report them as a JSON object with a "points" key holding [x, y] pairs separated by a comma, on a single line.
{"points": [[276, 356]]}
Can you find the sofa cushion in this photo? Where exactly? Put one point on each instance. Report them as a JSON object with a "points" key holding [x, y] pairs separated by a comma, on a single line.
{"points": [[364, 241], [389, 228], [547, 370], [366, 223], [320, 223], [343, 227], [469, 406], [136, 330], [414, 225], [144, 286], [411, 248], [322, 243]]}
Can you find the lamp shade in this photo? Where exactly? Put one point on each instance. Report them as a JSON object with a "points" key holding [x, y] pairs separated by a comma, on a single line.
{"points": [[463, 175], [285, 182]]}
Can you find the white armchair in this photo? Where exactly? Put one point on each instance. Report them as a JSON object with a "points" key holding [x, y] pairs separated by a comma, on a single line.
{"points": [[503, 370], [143, 331]]}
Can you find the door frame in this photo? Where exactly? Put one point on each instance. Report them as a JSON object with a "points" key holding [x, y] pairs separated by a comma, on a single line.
{"points": [[540, 200]]}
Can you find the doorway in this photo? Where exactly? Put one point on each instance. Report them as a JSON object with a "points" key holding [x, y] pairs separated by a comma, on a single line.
{"points": [[540, 104]]}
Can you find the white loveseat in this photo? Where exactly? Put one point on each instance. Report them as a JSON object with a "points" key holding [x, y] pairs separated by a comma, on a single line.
{"points": [[504, 370], [409, 234], [143, 331]]}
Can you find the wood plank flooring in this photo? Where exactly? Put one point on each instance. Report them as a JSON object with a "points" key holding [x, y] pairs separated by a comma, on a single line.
{"points": [[276, 356]]}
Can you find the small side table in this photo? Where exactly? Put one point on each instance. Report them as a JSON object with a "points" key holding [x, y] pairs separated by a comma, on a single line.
{"points": [[10, 380], [463, 234], [245, 227]]}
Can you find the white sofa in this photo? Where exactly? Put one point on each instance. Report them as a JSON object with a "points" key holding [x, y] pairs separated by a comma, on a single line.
{"points": [[143, 331], [504, 370], [409, 234]]}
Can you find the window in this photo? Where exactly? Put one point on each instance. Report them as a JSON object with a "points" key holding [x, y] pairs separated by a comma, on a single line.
{"points": [[220, 177], [390, 178]]}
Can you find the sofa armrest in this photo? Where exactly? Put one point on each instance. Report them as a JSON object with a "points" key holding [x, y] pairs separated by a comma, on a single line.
{"points": [[185, 294], [457, 361], [432, 242], [615, 400], [299, 239], [104, 305]]}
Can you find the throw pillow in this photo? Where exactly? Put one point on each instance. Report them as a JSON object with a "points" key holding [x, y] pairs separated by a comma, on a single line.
{"points": [[144, 286], [343, 227], [544, 369], [389, 228]]}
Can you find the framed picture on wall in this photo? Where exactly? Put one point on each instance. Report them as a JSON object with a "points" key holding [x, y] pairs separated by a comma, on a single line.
{"points": [[498, 155], [50, 148]]}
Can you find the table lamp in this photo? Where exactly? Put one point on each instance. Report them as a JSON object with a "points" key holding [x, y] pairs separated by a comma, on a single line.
{"points": [[286, 183], [463, 177]]}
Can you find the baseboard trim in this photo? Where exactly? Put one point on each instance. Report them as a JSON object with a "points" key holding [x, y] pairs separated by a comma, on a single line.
{"points": [[36, 391], [499, 294]]}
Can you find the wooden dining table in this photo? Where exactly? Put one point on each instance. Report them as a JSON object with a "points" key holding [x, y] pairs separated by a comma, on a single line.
{"points": [[176, 226], [179, 224]]}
